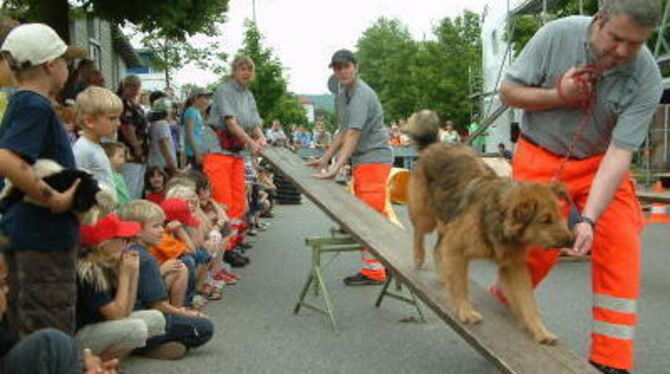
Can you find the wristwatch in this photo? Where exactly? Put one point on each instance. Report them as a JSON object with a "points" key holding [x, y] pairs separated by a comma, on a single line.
{"points": [[587, 220]]}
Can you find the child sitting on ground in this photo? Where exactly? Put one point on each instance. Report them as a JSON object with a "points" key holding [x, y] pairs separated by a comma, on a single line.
{"points": [[57, 351], [116, 152], [107, 277], [197, 258], [185, 328], [98, 110], [155, 180]]}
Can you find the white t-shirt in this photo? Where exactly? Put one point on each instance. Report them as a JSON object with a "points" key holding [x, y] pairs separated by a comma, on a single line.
{"points": [[160, 130], [91, 157]]}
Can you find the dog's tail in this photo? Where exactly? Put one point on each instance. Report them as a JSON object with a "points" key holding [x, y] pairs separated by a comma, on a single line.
{"points": [[423, 127]]}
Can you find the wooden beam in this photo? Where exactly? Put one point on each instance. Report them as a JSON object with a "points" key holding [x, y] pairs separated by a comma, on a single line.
{"points": [[499, 338], [650, 197]]}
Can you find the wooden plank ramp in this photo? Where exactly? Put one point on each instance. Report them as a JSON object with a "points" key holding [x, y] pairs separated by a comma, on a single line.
{"points": [[499, 338]]}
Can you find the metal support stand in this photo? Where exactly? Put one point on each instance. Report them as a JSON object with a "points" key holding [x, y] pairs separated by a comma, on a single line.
{"points": [[320, 246], [412, 299]]}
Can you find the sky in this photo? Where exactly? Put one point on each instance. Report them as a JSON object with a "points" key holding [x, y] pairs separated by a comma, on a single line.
{"points": [[304, 33]]}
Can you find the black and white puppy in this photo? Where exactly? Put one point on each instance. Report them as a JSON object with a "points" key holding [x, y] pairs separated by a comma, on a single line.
{"points": [[90, 200]]}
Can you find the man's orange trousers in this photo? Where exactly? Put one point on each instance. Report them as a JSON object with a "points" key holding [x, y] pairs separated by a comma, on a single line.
{"points": [[370, 186], [615, 255]]}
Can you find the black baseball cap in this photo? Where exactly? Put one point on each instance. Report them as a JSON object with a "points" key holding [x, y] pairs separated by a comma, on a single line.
{"points": [[342, 56]]}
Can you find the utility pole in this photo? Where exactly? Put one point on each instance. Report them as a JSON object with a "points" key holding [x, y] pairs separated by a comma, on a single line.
{"points": [[253, 4]]}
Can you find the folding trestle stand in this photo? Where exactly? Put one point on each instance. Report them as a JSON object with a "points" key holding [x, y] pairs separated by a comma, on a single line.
{"points": [[337, 244]]}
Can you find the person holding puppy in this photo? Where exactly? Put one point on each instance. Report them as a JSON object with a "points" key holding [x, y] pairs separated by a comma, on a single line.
{"points": [[41, 255], [363, 138], [589, 88]]}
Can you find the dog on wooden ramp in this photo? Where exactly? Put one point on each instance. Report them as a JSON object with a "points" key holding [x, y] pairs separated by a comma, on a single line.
{"points": [[479, 215]]}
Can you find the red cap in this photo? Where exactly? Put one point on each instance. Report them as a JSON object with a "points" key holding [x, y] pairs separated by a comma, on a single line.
{"points": [[178, 210], [106, 228]]}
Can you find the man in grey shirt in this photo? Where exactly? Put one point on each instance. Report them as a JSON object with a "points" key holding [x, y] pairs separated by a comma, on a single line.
{"points": [[363, 138], [589, 87]]}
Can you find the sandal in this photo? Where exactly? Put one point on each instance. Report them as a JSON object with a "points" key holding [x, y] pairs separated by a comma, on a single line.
{"points": [[214, 294]]}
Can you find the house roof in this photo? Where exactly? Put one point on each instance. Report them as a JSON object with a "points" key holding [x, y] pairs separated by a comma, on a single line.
{"points": [[124, 48]]}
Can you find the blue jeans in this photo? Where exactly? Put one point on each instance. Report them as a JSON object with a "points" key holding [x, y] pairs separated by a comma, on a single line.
{"points": [[191, 332], [46, 351]]}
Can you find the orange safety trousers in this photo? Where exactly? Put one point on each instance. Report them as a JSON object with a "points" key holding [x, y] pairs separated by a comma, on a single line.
{"points": [[370, 186], [226, 175], [615, 254]]}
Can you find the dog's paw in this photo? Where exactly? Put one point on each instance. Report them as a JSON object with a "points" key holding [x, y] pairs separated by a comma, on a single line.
{"points": [[545, 337], [418, 263], [468, 315]]}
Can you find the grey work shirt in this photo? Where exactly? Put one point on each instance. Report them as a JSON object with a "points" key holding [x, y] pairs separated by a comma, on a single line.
{"points": [[626, 96], [234, 100], [360, 109]]}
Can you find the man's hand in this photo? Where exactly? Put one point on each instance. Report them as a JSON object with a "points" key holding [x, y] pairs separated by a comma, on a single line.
{"points": [[262, 142], [60, 202], [94, 365], [254, 147], [327, 174], [317, 163], [575, 86], [583, 239]]}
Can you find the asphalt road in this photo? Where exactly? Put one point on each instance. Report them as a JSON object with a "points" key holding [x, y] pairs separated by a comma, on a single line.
{"points": [[257, 332]]}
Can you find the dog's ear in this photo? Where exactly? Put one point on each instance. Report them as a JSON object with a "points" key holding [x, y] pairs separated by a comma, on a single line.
{"points": [[560, 190], [519, 214]]}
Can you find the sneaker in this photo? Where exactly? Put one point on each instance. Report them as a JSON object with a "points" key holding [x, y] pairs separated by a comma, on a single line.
{"points": [[241, 256], [232, 258], [608, 369], [245, 246], [252, 232], [167, 351], [361, 280]]}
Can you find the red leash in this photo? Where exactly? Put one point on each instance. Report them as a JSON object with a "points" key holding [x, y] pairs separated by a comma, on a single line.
{"points": [[586, 80]]}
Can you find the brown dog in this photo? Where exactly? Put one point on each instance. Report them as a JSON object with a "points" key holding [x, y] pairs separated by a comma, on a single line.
{"points": [[480, 215]]}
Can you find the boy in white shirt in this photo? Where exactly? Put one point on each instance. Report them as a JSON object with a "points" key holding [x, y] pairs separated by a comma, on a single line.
{"points": [[98, 111]]}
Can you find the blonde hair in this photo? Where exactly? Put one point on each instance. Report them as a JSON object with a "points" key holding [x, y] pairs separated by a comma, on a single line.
{"points": [[181, 192], [242, 60], [141, 211], [180, 180], [94, 101]]}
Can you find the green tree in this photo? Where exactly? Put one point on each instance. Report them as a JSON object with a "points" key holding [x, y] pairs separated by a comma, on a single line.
{"points": [[269, 86], [175, 18], [386, 54], [409, 75], [171, 54]]}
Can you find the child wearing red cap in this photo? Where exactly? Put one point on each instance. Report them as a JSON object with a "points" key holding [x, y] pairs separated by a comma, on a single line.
{"points": [[107, 276], [186, 328]]}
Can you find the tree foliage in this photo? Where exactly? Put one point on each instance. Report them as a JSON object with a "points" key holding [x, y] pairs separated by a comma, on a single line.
{"points": [[171, 54], [437, 74], [176, 19], [270, 87]]}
